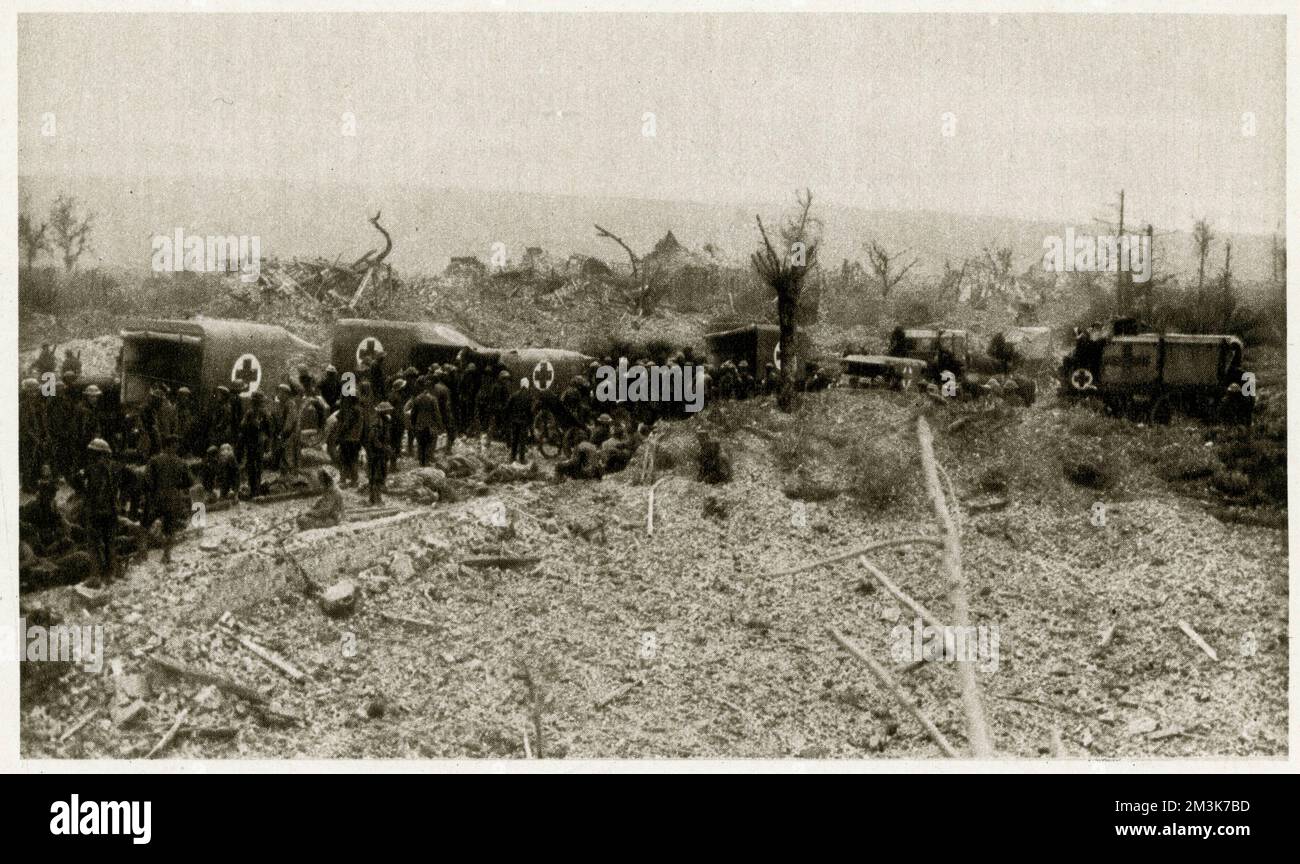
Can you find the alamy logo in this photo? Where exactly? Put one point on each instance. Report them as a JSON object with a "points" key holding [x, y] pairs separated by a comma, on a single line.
{"points": [[921, 642], [57, 643], [651, 384], [132, 818], [215, 253], [1085, 253]]}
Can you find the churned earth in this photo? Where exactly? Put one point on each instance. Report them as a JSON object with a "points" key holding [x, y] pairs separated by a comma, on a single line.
{"points": [[622, 643]]}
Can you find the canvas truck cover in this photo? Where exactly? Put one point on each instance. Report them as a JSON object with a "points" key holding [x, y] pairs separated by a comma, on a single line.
{"points": [[924, 343], [545, 368], [1198, 361], [204, 354], [1176, 360], [758, 344], [404, 343], [1130, 361], [871, 365]]}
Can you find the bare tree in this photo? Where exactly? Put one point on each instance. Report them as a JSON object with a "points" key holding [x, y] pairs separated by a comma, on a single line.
{"points": [[951, 281], [1227, 297], [33, 240], [644, 289], [883, 265], [784, 274], [1202, 236], [71, 233]]}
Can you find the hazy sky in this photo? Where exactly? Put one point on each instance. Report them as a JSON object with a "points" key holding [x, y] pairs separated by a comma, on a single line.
{"points": [[1053, 114]]}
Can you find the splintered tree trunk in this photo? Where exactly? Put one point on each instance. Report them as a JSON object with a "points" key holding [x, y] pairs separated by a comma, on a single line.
{"points": [[785, 311]]}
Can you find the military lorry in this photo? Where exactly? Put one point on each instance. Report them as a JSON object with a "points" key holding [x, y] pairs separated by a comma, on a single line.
{"points": [[942, 350], [204, 354], [355, 342], [546, 369], [757, 345], [1150, 375], [897, 372]]}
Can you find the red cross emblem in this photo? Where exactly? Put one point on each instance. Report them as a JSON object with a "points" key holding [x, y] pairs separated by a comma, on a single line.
{"points": [[543, 375], [247, 370], [368, 349]]}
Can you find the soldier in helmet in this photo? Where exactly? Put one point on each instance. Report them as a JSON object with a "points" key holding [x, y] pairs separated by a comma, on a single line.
{"points": [[331, 387], [399, 395], [425, 420], [442, 392], [492, 400], [378, 440], [470, 382], [64, 433], [186, 422], [744, 380], [99, 507], [90, 416], [604, 430], [574, 400], [71, 362], [254, 436], [519, 416], [727, 380], [219, 430], [40, 523], [45, 361], [584, 462], [349, 432]]}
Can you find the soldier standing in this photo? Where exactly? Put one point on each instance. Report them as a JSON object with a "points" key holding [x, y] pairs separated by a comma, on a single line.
{"points": [[425, 420], [349, 429], [254, 433], [45, 361], [397, 421], [331, 388], [377, 443], [99, 507], [519, 415], [186, 424], [63, 430], [442, 393], [221, 422]]}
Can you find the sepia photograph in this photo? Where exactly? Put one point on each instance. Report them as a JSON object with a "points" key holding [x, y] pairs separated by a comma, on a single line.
{"points": [[796, 385]]}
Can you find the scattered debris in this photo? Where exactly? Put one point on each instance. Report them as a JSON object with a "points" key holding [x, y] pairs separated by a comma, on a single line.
{"points": [[1198, 641]]}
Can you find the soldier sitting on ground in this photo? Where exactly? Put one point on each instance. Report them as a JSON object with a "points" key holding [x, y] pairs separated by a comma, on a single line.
{"points": [[328, 509], [169, 492], [618, 450], [41, 525], [585, 463]]}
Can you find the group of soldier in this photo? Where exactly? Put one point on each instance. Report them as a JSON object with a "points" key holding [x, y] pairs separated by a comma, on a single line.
{"points": [[130, 472]]}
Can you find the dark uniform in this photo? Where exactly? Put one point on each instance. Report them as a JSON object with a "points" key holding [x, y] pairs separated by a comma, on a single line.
{"points": [[169, 493], [99, 508], [519, 417], [350, 427], [254, 433], [378, 439]]}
